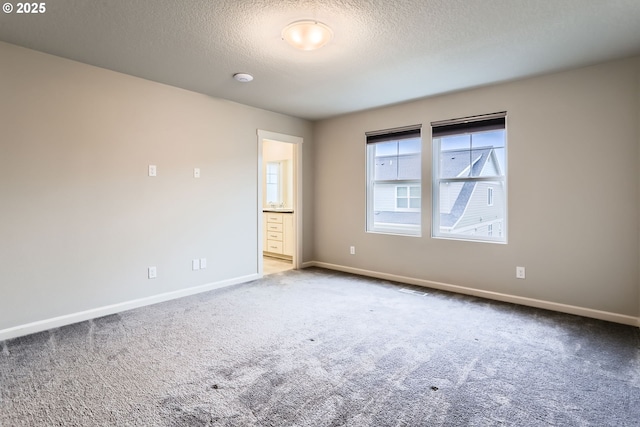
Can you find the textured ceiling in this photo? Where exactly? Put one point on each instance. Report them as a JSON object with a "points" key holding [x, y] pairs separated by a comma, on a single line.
{"points": [[383, 51]]}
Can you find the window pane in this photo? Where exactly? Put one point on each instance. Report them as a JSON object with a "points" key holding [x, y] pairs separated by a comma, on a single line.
{"points": [[469, 154], [494, 140], [409, 166], [397, 159], [393, 174], [273, 182], [501, 156], [386, 161], [455, 156], [469, 207], [464, 210], [386, 148], [385, 204], [272, 193], [410, 146], [409, 158]]}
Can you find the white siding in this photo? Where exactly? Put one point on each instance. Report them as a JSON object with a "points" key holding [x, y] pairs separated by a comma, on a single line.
{"points": [[478, 213], [385, 197], [449, 192]]}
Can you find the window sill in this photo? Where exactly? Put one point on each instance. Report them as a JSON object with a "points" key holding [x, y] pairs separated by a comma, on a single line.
{"points": [[468, 239], [397, 231]]}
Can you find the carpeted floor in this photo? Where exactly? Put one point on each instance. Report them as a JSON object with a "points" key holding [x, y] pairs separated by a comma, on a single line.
{"points": [[320, 348]]}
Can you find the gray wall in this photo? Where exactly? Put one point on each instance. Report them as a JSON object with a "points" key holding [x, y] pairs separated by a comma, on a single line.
{"points": [[81, 221], [80, 218], [573, 206]]}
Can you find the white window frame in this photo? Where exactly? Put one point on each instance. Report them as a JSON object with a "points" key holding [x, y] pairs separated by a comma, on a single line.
{"points": [[391, 228], [501, 236]]}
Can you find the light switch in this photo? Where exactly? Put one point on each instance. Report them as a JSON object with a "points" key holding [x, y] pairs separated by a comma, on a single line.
{"points": [[196, 172], [203, 263], [152, 170], [195, 264]]}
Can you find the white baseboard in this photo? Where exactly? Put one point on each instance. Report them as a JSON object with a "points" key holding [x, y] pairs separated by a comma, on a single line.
{"points": [[56, 322], [547, 305]]}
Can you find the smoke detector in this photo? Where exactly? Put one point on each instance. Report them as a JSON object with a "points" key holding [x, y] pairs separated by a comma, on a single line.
{"points": [[243, 77]]}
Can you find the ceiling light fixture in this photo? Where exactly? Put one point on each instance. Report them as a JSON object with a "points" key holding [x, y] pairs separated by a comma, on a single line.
{"points": [[243, 77], [307, 35]]}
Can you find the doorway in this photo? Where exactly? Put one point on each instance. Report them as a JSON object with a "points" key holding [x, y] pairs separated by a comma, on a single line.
{"points": [[279, 202]]}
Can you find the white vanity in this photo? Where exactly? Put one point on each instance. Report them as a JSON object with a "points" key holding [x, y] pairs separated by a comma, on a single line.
{"points": [[278, 233]]}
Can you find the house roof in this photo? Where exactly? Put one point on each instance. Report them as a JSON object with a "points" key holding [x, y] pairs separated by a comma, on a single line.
{"points": [[407, 218], [454, 162], [462, 162], [404, 166]]}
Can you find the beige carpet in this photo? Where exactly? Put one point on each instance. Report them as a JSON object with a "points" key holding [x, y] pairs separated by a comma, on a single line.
{"points": [[318, 348]]}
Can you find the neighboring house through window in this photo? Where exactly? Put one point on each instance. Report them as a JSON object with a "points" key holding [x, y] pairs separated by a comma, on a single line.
{"points": [[408, 197], [394, 191], [469, 178]]}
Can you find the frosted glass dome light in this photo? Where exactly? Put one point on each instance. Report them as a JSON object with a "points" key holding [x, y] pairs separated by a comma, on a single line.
{"points": [[307, 35]]}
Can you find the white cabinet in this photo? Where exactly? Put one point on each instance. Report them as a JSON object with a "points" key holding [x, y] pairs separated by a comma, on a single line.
{"points": [[278, 234], [287, 239]]}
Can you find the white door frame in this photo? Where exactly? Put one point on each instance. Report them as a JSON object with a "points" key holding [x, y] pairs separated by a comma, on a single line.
{"points": [[297, 192]]}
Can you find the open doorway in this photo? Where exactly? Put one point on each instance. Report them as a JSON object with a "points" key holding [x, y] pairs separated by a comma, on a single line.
{"points": [[279, 202]]}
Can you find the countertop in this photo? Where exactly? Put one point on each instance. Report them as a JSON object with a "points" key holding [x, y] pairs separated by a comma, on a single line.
{"points": [[277, 210]]}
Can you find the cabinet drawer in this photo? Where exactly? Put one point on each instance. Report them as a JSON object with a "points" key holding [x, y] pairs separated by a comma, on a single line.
{"points": [[274, 218], [274, 227], [274, 235], [274, 246]]}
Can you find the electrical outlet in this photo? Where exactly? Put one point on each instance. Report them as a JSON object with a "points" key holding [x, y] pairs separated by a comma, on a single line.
{"points": [[152, 272], [520, 273], [153, 170], [195, 264], [352, 250], [196, 172]]}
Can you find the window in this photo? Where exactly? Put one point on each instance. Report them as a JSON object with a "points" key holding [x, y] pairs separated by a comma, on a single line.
{"points": [[274, 189], [469, 178], [394, 181], [408, 197]]}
